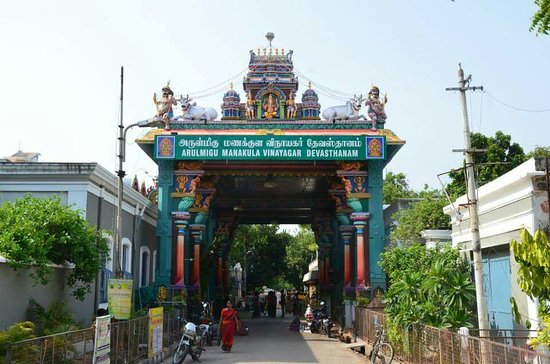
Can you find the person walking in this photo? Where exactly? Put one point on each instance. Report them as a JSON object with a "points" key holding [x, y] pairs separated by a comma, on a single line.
{"points": [[283, 302], [228, 321]]}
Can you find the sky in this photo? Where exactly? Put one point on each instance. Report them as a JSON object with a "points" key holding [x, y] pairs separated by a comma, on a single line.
{"points": [[60, 69]]}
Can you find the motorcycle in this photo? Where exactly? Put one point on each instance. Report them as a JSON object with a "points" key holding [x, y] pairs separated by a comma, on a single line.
{"points": [[205, 325], [191, 343]]}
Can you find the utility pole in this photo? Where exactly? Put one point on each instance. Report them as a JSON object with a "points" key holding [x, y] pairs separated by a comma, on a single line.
{"points": [[120, 173], [464, 85]]}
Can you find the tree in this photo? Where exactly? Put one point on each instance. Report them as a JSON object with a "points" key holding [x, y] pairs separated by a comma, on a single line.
{"points": [[500, 157], [540, 22], [427, 286], [299, 253], [424, 214], [533, 257], [34, 233], [539, 152], [396, 186]]}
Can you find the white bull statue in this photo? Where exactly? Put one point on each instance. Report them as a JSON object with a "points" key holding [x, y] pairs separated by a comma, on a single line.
{"points": [[193, 112], [349, 111]]}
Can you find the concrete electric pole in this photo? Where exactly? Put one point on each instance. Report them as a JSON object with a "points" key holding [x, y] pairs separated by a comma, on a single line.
{"points": [[464, 85]]}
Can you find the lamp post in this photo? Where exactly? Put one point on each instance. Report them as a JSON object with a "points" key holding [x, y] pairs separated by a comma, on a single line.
{"points": [[154, 122]]}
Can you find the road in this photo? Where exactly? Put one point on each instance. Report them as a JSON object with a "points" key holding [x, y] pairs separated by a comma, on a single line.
{"points": [[270, 341]]}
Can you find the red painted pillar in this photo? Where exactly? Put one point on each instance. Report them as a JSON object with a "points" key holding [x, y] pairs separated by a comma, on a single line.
{"points": [[196, 232], [178, 278], [360, 221], [347, 233]]}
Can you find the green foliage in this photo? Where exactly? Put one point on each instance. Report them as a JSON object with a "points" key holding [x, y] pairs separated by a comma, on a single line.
{"points": [[532, 253], [362, 301], [540, 23], [424, 214], [539, 152], [17, 332], [396, 186], [34, 233], [277, 259], [427, 286], [300, 251], [501, 156], [55, 319]]}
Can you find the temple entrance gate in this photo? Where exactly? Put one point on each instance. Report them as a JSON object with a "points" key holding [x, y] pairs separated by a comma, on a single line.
{"points": [[270, 160]]}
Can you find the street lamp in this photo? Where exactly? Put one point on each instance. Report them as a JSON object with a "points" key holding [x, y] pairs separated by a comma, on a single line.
{"points": [[153, 122]]}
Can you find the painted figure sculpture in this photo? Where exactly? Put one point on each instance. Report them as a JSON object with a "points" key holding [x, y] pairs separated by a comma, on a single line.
{"points": [[249, 107], [376, 107], [349, 111], [291, 106], [164, 105], [270, 107], [193, 112]]}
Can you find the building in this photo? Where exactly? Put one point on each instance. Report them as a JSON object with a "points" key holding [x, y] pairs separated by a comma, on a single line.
{"points": [[516, 199], [92, 189]]}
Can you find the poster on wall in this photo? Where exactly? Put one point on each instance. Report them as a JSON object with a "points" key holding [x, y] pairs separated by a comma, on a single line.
{"points": [[155, 331], [102, 347], [119, 296]]}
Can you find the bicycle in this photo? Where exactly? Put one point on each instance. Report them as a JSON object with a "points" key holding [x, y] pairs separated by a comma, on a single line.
{"points": [[382, 351]]}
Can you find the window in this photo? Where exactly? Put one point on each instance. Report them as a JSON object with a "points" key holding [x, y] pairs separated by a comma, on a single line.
{"points": [[126, 256], [144, 254]]}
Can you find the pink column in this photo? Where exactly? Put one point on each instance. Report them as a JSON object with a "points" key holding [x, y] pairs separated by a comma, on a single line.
{"points": [[360, 221], [196, 232], [347, 233], [178, 278]]}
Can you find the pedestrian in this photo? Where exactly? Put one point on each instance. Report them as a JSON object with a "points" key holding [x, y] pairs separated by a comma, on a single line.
{"points": [[283, 302], [228, 321]]}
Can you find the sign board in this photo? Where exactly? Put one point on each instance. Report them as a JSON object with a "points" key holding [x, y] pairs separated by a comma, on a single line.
{"points": [[102, 347], [269, 147], [155, 331], [119, 297]]}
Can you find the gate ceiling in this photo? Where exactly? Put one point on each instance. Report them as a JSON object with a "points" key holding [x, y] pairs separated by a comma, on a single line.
{"points": [[263, 194]]}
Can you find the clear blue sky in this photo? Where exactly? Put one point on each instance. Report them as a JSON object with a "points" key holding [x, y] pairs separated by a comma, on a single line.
{"points": [[59, 68]]}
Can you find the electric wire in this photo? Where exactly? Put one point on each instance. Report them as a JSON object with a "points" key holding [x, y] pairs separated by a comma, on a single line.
{"points": [[514, 107], [218, 86]]}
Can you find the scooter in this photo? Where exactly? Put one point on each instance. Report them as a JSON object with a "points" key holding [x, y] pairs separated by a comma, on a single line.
{"points": [[205, 325], [191, 343]]}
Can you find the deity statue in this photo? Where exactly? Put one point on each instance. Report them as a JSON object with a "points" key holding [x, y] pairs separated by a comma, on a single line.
{"points": [[270, 107], [250, 105], [376, 106], [291, 107], [164, 105]]}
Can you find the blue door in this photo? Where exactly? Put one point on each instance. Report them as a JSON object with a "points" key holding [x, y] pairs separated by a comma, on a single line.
{"points": [[498, 290]]}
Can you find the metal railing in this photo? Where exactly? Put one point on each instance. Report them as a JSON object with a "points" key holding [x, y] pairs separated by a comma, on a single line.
{"points": [[426, 344], [129, 343]]}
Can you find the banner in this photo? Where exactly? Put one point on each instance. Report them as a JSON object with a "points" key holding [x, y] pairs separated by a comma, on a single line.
{"points": [[155, 331], [270, 147], [102, 347], [119, 297]]}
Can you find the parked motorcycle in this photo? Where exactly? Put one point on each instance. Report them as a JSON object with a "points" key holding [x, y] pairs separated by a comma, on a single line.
{"points": [[191, 343]]}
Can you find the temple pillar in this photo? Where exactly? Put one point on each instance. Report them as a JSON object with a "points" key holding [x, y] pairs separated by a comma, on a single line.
{"points": [[164, 223], [376, 223], [181, 220], [219, 269], [360, 221], [347, 232], [196, 233]]}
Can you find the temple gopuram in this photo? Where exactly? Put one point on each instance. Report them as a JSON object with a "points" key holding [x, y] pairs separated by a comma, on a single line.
{"points": [[271, 156]]}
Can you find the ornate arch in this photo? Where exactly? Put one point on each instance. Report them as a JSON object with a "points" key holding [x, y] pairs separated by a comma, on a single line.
{"points": [[270, 89]]}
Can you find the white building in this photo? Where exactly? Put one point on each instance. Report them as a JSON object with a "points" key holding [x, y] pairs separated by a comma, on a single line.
{"points": [[92, 189], [516, 199]]}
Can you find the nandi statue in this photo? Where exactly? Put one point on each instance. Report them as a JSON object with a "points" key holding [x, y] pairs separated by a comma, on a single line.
{"points": [[349, 111], [193, 112]]}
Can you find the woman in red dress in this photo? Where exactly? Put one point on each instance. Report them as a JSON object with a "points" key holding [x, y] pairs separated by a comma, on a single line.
{"points": [[228, 321]]}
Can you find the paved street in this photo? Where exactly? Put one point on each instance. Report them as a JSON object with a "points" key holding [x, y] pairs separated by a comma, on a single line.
{"points": [[270, 341]]}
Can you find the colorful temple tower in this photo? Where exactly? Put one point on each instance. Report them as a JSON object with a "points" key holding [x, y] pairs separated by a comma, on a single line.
{"points": [[271, 159]]}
